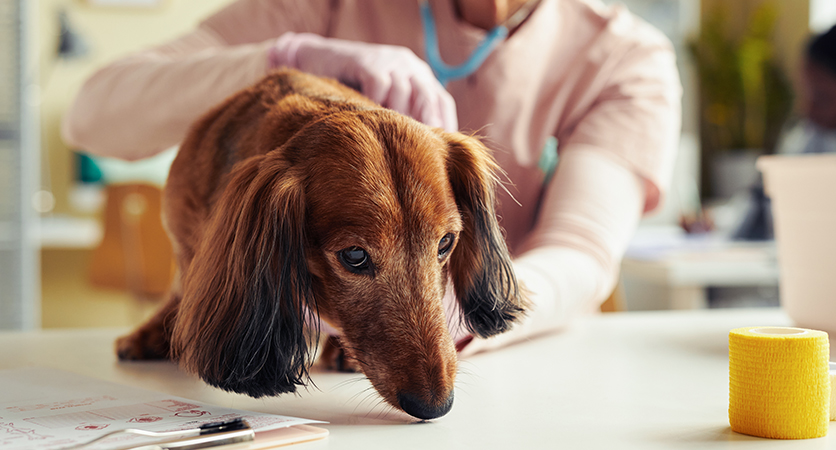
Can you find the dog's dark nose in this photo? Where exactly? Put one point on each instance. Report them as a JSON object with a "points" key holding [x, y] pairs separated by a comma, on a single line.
{"points": [[418, 408]]}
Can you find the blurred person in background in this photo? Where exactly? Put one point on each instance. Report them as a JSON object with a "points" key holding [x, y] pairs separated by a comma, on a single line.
{"points": [[532, 78], [815, 132]]}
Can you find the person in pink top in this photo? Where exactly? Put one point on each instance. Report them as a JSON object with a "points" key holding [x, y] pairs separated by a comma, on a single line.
{"points": [[534, 79]]}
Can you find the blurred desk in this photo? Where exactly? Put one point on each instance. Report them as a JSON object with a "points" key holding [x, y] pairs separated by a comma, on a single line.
{"points": [[635, 380], [677, 270]]}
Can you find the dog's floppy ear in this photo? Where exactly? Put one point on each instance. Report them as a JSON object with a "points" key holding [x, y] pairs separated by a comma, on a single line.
{"points": [[480, 265], [240, 325]]}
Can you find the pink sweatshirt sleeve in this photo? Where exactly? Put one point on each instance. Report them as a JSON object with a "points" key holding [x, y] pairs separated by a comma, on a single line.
{"points": [[145, 102], [613, 168], [598, 203], [636, 118]]}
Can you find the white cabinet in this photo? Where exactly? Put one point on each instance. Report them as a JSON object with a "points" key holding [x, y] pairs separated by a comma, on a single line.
{"points": [[19, 150]]}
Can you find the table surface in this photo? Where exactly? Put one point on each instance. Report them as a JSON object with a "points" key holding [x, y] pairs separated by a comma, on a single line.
{"points": [[615, 381]]}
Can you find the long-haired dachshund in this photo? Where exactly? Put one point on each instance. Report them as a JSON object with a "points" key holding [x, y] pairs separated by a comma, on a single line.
{"points": [[299, 199]]}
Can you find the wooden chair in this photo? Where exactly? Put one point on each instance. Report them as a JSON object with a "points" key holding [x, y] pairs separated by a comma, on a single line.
{"points": [[135, 253], [615, 302]]}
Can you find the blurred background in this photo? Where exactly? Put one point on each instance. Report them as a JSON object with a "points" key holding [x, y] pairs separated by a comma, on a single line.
{"points": [[81, 244]]}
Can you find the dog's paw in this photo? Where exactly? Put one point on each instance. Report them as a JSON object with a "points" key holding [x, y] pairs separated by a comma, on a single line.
{"points": [[334, 357], [142, 345]]}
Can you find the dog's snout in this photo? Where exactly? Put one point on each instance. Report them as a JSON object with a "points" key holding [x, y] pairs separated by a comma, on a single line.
{"points": [[416, 407]]}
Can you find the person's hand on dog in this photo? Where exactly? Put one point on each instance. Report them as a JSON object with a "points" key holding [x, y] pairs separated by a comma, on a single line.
{"points": [[390, 75]]}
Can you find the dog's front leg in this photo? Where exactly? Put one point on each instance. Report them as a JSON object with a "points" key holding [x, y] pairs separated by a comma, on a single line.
{"points": [[152, 340]]}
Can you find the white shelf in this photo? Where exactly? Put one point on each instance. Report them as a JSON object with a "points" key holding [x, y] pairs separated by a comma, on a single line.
{"points": [[64, 232]]}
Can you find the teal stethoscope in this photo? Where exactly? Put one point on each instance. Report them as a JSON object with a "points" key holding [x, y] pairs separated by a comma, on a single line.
{"points": [[445, 72]]}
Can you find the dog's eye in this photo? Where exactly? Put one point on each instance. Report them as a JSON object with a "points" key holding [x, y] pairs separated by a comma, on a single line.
{"points": [[446, 244], [354, 259]]}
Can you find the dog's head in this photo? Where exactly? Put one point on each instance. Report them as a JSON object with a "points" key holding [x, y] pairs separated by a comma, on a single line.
{"points": [[360, 217]]}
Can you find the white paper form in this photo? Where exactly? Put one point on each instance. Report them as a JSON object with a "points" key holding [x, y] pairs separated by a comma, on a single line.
{"points": [[50, 409]]}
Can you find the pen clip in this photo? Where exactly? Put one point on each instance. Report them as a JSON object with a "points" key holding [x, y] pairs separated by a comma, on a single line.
{"points": [[207, 440], [207, 435]]}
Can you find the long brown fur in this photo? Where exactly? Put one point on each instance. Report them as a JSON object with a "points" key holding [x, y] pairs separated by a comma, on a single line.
{"points": [[266, 193]]}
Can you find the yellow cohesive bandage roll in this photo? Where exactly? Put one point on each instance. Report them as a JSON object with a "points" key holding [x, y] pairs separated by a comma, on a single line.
{"points": [[779, 382]]}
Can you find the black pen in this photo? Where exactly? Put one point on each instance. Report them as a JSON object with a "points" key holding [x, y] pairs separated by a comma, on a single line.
{"points": [[207, 435]]}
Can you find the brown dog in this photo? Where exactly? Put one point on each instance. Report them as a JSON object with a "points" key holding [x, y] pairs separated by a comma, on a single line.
{"points": [[300, 198]]}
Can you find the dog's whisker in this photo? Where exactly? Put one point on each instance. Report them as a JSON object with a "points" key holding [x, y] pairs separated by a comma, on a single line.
{"points": [[369, 395], [381, 403], [350, 381], [361, 392], [460, 386], [384, 409], [465, 376], [372, 398], [358, 394], [464, 369]]}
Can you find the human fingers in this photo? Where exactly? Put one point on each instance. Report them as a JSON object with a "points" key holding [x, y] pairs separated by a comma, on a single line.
{"points": [[447, 111], [433, 106], [400, 93]]}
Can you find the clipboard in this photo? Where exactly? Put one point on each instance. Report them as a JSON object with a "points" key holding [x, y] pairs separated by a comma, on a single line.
{"points": [[280, 437], [51, 409]]}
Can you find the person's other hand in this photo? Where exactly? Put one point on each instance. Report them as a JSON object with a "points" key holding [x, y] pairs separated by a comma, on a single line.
{"points": [[389, 75]]}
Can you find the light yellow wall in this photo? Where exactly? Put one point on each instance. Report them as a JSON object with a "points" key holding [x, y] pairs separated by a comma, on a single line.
{"points": [[110, 32], [68, 300]]}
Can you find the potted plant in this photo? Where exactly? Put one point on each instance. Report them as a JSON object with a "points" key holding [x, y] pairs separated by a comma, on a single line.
{"points": [[745, 97]]}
